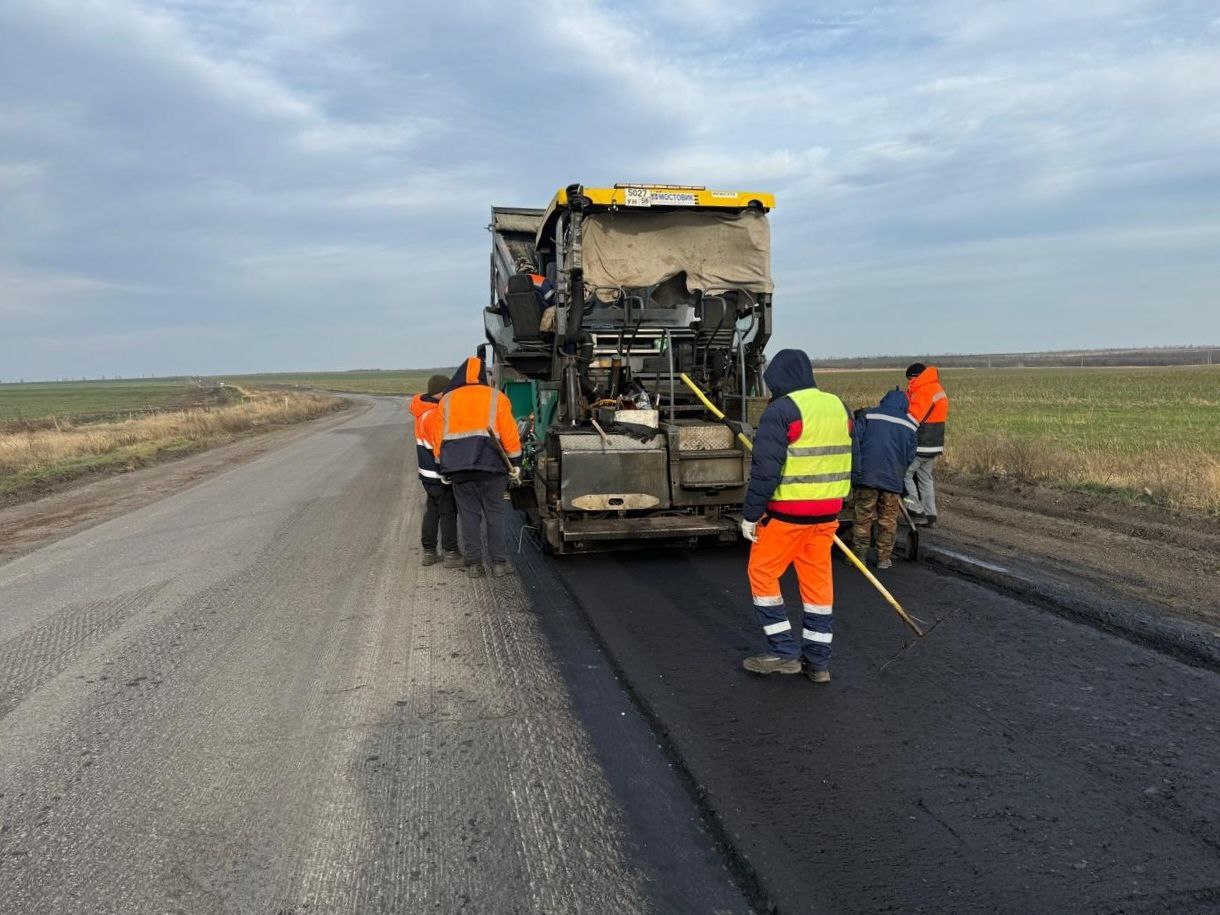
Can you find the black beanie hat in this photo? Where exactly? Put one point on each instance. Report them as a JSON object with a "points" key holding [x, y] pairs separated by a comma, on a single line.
{"points": [[437, 384], [915, 369]]}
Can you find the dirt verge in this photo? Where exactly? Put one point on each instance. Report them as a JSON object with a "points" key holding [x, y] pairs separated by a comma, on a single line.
{"points": [[1139, 554]]}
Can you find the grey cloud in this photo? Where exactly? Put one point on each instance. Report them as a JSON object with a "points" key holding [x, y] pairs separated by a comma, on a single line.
{"points": [[240, 185]]}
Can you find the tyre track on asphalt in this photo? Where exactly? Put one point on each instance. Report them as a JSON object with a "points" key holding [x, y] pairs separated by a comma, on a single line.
{"points": [[554, 836], [29, 660], [137, 683]]}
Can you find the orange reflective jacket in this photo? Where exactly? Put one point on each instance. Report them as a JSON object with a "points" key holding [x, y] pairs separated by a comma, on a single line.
{"points": [[421, 406], [929, 407], [467, 411], [427, 434]]}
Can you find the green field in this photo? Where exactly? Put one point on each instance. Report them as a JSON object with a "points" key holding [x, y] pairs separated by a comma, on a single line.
{"points": [[359, 382], [94, 399], [85, 401], [1145, 433], [1136, 431]]}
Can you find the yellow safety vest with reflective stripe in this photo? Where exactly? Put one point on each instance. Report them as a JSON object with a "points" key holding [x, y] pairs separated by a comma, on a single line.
{"points": [[818, 465]]}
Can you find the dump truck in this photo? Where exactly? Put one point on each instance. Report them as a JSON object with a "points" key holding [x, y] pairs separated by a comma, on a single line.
{"points": [[642, 284]]}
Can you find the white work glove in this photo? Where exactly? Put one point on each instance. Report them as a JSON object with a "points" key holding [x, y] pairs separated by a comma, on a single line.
{"points": [[749, 530], [515, 476]]}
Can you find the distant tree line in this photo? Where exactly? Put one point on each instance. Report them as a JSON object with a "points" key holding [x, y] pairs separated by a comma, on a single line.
{"points": [[1147, 356]]}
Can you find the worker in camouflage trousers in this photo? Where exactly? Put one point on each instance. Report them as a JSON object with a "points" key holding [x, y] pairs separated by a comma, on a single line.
{"points": [[883, 447], [799, 473]]}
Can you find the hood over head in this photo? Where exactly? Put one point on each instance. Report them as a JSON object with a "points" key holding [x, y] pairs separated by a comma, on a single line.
{"points": [[930, 375], [421, 404], [471, 371], [789, 371], [894, 403]]}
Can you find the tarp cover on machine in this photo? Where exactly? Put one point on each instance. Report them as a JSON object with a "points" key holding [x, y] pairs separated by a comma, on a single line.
{"points": [[508, 219], [715, 250]]}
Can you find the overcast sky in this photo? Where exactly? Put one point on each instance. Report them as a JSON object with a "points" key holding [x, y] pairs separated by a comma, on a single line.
{"points": [[284, 184]]}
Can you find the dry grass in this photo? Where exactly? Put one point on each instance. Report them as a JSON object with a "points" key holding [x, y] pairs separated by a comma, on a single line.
{"points": [[1185, 477], [1143, 433], [32, 457]]}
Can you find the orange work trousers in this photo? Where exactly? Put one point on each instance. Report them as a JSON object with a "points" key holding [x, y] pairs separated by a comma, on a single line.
{"points": [[807, 546]]}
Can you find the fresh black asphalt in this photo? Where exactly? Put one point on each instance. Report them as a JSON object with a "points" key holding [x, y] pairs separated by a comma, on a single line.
{"points": [[1012, 762]]}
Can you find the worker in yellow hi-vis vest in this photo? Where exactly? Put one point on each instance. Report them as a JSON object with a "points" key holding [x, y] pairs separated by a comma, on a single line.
{"points": [[800, 473]]}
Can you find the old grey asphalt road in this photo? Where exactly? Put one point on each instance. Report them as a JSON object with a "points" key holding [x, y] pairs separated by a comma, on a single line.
{"points": [[248, 697]]}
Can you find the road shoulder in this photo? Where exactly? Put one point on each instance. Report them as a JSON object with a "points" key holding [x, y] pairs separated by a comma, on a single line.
{"points": [[1157, 561]]}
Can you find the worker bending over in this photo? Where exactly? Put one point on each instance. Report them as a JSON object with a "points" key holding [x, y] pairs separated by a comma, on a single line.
{"points": [[884, 447], [471, 412], [440, 510], [800, 472], [929, 410]]}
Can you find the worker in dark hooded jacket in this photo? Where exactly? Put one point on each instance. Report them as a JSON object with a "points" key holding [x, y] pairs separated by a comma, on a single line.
{"points": [[883, 447], [799, 474], [439, 524], [471, 412]]}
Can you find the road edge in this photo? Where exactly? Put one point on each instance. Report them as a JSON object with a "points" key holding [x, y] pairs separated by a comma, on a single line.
{"points": [[748, 880], [1194, 645], [551, 599]]}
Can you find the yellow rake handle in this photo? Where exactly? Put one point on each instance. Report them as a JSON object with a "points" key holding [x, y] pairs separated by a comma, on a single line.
{"points": [[855, 560], [712, 408]]}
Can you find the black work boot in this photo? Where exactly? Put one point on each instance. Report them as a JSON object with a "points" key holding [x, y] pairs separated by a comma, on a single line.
{"points": [[431, 558], [453, 560], [771, 664], [501, 570], [817, 674], [476, 570]]}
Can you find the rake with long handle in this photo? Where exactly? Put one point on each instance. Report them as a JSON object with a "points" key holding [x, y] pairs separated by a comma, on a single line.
{"points": [[852, 557]]}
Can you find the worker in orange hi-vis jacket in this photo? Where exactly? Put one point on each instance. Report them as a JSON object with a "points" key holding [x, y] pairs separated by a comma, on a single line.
{"points": [[469, 411], [929, 410], [439, 525]]}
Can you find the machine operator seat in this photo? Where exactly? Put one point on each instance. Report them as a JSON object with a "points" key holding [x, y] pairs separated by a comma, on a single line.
{"points": [[718, 322], [524, 309]]}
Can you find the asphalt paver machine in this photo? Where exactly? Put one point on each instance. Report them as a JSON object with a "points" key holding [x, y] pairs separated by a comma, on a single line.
{"points": [[648, 281]]}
